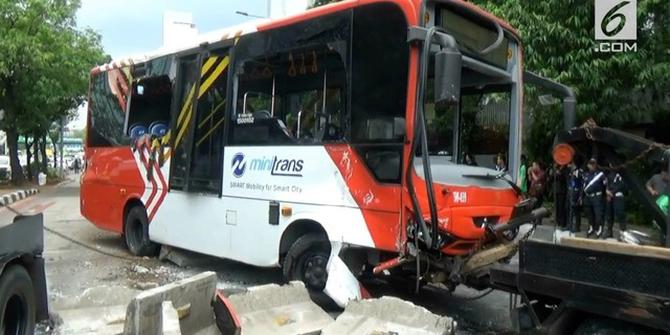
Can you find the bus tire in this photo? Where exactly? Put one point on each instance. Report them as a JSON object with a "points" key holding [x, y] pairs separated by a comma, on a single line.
{"points": [[307, 261], [136, 233], [17, 302]]}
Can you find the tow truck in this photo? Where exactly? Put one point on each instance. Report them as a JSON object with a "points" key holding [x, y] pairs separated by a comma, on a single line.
{"points": [[563, 284], [23, 289]]}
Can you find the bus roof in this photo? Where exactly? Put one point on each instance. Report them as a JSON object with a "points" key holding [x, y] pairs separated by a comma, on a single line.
{"points": [[266, 24]]}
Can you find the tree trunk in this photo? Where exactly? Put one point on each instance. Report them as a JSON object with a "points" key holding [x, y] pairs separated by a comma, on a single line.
{"points": [[43, 151], [55, 148], [36, 154], [13, 144], [29, 157]]}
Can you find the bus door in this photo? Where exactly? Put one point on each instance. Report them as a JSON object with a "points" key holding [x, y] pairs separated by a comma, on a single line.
{"points": [[198, 123], [189, 217]]}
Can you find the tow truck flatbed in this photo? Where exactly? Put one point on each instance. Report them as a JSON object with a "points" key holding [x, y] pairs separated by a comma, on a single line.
{"points": [[568, 281]]}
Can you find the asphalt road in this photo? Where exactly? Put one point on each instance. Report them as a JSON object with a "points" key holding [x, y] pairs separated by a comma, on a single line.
{"points": [[91, 277]]}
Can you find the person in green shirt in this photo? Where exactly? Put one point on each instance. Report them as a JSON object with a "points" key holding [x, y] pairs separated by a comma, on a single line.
{"points": [[522, 181]]}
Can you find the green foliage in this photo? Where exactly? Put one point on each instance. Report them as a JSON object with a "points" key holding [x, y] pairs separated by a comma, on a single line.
{"points": [[615, 89], [44, 66]]}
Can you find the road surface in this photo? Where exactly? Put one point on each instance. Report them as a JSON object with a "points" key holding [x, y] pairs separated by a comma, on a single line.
{"points": [[91, 277]]}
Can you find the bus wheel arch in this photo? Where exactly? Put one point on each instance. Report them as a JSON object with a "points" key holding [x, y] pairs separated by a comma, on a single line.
{"points": [[304, 251], [136, 230]]}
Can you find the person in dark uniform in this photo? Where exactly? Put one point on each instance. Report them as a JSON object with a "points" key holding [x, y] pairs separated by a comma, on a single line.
{"points": [[575, 189], [615, 203], [595, 183], [560, 195]]}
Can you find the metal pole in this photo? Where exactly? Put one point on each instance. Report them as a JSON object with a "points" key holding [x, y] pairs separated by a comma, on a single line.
{"points": [[268, 2], [62, 125]]}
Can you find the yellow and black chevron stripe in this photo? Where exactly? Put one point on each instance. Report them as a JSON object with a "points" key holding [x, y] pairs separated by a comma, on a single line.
{"points": [[211, 70]]}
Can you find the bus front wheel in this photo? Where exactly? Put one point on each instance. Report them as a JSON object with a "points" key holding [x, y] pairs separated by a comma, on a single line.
{"points": [[136, 233], [307, 261]]}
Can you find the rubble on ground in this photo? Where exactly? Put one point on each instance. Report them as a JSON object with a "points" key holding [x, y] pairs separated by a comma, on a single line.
{"points": [[194, 306]]}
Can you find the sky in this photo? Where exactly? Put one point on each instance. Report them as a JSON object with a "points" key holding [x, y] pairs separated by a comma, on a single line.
{"points": [[130, 27]]}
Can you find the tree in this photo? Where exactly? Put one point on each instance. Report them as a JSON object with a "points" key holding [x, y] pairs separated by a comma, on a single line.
{"points": [[44, 65], [613, 88]]}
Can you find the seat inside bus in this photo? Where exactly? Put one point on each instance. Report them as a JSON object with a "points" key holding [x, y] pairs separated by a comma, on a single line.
{"points": [[149, 110]]}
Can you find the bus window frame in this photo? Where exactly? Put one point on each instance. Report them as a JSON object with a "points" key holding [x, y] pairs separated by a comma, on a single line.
{"points": [[238, 63], [174, 114]]}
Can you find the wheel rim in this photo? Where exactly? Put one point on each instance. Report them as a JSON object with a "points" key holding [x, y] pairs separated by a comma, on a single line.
{"points": [[13, 321], [315, 272]]}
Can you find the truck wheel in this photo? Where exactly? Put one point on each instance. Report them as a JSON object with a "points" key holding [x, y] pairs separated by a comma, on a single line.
{"points": [[17, 302], [136, 233], [307, 261]]}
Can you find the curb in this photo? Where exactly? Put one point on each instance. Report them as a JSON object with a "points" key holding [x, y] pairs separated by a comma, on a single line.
{"points": [[16, 196]]}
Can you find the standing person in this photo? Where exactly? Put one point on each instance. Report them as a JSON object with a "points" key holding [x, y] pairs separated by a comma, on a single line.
{"points": [[659, 184], [523, 175], [77, 165], [561, 195], [615, 204], [501, 165], [594, 190], [538, 181], [575, 188]]}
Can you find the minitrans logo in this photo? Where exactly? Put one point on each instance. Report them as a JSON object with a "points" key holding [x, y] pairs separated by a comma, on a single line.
{"points": [[616, 20], [238, 165]]}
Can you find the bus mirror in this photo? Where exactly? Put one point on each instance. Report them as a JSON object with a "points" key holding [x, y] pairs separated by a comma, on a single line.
{"points": [[448, 76]]}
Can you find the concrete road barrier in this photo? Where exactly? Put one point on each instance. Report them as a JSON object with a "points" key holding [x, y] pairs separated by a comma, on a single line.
{"points": [[389, 315], [191, 297], [274, 309]]}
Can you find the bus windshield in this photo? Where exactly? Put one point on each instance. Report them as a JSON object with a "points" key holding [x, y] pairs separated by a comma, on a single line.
{"points": [[474, 132]]}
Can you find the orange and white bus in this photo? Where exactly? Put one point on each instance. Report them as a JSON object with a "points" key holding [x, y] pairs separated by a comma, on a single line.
{"points": [[329, 143]]}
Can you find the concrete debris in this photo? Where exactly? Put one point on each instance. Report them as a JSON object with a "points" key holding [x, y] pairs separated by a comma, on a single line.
{"points": [[139, 269], [389, 315], [169, 319], [274, 309], [182, 258], [145, 285], [188, 307], [194, 294]]}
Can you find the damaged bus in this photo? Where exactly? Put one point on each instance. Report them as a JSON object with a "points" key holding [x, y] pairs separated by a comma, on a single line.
{"points": [[328, 143]]}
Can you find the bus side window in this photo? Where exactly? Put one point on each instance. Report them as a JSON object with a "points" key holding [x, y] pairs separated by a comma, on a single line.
{"points": [[107, 109], [295, 96], [149, 111], [379, 88]]}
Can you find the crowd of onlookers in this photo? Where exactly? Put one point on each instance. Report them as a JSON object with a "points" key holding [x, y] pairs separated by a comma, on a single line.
{"points": [[589, 189]]}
